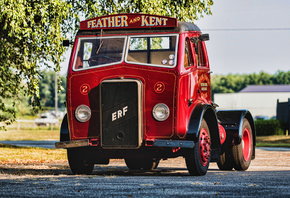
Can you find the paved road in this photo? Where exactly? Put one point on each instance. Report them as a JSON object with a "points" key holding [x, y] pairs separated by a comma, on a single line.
{"points": [[268, 176], [42, 144]]}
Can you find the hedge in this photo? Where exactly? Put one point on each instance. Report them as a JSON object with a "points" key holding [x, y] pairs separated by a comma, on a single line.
{"points": [[269, 127]]}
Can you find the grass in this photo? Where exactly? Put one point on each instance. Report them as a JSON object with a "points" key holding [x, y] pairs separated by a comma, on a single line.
{"points": [[29, 134], [273, 141], [29, 155]]}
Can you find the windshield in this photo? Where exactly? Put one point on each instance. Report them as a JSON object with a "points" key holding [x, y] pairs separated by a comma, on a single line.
{"points": [[99, 51], [152, 50], [144, 50]]}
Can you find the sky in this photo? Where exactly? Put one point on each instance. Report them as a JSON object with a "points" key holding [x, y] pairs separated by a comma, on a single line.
{"points": [[247, 36]]}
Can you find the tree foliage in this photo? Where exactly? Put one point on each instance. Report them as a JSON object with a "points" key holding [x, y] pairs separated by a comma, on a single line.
{"points": [[235, 82], [47, 90], [30, 38], [188, 10], [31, 33]]}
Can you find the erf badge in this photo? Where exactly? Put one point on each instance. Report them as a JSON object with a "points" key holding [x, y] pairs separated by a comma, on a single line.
{"points": [[159, 87]]}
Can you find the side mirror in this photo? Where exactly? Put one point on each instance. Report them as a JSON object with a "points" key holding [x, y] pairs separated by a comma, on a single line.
{"points": [[204, 37], [66, 43]]}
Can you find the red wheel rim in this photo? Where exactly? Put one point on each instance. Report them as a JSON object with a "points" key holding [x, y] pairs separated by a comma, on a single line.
{"points": [[247, 144], [204, 147]]}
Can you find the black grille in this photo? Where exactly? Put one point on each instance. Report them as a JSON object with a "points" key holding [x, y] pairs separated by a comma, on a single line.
{"points": [[120, 114]]}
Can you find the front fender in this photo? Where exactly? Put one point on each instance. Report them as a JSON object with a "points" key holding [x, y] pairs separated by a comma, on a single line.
{"points": [[207, 112], [64, 130]]}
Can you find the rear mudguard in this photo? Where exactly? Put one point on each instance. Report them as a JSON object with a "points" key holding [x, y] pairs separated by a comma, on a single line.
{"points": [[232, 121], [64, 130], [207, 112]]}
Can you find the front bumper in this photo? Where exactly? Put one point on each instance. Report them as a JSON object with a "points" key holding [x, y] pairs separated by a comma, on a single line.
{"points": [[72, 144], [148, 143]]}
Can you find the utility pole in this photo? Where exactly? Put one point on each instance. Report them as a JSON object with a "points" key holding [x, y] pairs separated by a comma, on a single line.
{"points": [[55, 91]]}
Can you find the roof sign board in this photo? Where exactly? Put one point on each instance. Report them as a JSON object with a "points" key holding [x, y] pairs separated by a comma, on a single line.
{"points": [[125, 21]]}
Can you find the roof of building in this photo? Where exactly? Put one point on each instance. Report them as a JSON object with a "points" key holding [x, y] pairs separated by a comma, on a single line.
{"points": [[266, 88]]}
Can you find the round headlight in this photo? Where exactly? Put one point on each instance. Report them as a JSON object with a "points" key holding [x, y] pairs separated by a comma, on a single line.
{"points": [[160, 112], [83, 113]]}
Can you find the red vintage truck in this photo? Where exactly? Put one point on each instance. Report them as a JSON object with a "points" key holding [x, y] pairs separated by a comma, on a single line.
{"points": [[138, 88]]}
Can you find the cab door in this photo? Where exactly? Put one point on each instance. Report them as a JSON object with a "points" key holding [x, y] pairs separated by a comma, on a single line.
{"points": [[201, 60]]}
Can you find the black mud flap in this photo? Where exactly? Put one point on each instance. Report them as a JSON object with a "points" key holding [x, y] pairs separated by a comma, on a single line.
{"points": [[64, 131], [232, 121]]}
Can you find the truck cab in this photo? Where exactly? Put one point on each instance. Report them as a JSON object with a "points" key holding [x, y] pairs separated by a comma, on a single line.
{"points": [[138, 88]]}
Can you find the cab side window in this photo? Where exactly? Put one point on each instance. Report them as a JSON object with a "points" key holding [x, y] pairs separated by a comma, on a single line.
{"points": [[188, 61], [199, 55]]}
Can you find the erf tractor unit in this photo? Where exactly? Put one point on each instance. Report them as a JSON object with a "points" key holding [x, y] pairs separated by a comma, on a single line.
{"points": [[138, 88]]}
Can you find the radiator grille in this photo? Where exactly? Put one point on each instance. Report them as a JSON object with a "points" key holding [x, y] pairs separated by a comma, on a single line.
{"points": [[121, 113]]}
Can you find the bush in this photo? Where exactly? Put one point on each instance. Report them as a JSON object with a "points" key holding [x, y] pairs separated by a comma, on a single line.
{"points": [[269, 127]]}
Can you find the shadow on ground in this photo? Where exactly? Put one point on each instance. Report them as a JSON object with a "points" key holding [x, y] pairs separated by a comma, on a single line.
{"points": [[98, 170]]}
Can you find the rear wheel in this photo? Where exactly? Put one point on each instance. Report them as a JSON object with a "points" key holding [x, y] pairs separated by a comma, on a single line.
{"points": [[78, 163], [242, 153], [198, 159], [225, 162]]}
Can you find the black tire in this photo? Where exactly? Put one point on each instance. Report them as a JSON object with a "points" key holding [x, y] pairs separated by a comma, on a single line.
{"points": [[145, 164], [133, 164], [64, 131], [78, 164], [242, 153], [149, 164], [225, 162], [198, 159]]}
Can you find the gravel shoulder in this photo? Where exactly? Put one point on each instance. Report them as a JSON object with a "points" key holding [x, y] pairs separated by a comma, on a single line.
{"points": [[265, 161], [268, 176]]}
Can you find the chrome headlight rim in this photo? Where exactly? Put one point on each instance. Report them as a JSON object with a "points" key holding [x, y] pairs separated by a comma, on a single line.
{"points": [[85, 110], [156, 114]]}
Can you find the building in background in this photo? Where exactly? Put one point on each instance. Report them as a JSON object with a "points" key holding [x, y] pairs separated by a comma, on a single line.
{"points": [[283, 112], [260, 100]]}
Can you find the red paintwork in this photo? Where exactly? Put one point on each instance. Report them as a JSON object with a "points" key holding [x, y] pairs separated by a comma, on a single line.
{"points": [[171, 86], [247, 144], [223, 134], [204, 147]]}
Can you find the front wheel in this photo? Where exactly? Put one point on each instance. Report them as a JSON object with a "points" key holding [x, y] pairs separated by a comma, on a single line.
{"points": [[198, 159], [242, 153], [78, 163]]}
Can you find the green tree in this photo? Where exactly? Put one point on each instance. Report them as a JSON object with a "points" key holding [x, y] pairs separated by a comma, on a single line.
{"points": [[47, 90], [31, 33], [183, 10], [281, 77], [30, 38], [234, 83]]}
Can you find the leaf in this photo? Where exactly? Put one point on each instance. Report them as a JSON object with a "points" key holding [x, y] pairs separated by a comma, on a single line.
{"points": [[146, 184], [196, 183]]}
